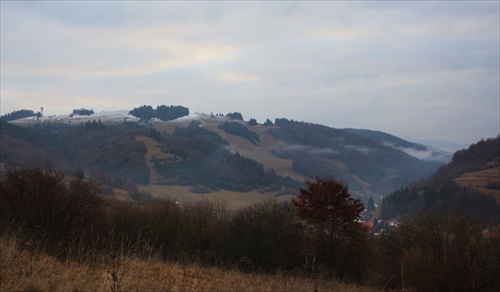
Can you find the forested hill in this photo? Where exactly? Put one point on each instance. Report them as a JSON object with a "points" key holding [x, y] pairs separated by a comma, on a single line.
{"points": [[415, 149], [470, 183], [363, 163], [170, 146]]}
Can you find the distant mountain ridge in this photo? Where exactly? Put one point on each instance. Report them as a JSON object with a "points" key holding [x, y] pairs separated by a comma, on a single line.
{"points": [[197, 147], [420, 151]]}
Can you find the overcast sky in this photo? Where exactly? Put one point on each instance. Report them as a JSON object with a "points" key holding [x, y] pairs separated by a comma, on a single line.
{"points": [[418, 70]]}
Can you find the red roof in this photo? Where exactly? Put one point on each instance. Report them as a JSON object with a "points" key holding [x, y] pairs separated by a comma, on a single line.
{"points": [[368, 224]]}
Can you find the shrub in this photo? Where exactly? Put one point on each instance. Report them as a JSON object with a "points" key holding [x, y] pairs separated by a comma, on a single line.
{"points": [[443, 253], [187, 232], [49, 209], [265, 236]]}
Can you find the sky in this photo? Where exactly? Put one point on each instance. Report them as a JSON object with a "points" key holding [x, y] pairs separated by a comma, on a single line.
{"points": [[423, 71]]}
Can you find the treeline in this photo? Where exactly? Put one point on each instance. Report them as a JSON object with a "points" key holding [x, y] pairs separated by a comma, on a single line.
{"points": [[253, 122], [444, 196], [20, 114], [431, 252], [240, 130], [235, 116], [162, 112], [95, 125], [194, 130], [82, 112]]}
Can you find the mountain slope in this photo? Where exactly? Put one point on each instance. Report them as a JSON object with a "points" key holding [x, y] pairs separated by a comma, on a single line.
{"points": [[213, 152], [420, 151], [470, 183], [363, 163]]}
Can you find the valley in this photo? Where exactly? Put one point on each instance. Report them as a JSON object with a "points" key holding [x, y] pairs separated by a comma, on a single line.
{"points": [[209, 190]]}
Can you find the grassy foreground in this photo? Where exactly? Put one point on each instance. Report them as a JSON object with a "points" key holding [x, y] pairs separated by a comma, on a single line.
{"points": [[23, 270]]}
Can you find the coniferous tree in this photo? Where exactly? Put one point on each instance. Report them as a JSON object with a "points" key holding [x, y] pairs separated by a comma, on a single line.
{"points": [[268, 123], [252, 122], [235, 116]]}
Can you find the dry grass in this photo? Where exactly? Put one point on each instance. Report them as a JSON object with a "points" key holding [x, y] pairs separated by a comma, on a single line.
{"points": [[234, 200], [25, 271], [262, 152], [479, 181]]}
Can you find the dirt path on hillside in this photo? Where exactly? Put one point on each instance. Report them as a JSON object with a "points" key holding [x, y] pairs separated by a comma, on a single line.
{"points": [[153, 153]]}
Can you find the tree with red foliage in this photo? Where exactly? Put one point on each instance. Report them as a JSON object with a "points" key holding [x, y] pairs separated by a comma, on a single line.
{"points": [[335, 239], [327, 206]]}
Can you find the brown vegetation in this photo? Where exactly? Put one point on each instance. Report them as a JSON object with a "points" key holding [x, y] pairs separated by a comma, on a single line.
{"points": [[63, 238], [21, 270], [485, 181], [436, 252]]}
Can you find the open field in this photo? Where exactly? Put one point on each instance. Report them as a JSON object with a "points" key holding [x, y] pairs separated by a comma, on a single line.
{"points": [[479, 180], [35, 271], [233, 200]]}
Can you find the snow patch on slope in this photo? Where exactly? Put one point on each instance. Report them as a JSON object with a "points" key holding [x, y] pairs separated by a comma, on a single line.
{"points": [[107, 117], [113, 117]]}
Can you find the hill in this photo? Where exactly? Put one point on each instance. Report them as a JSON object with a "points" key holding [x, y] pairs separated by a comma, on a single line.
{"points": [[208, 153], [470, 183]]}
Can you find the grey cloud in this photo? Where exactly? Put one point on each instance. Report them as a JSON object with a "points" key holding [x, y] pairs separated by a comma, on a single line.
{"points": [[427, 154], [410, 68]]}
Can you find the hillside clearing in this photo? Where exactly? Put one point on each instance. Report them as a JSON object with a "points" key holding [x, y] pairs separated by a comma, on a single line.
{"points": [[262, 152], [153, 152], [480, 180]]}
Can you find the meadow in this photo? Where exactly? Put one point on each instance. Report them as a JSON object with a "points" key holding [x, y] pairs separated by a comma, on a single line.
{"points": [[25, 270]]}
